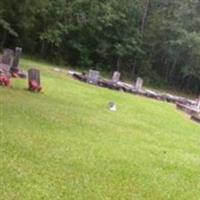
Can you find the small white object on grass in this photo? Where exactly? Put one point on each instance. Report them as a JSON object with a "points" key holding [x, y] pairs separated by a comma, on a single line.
{"points": [[112, 106], [56, 69]]}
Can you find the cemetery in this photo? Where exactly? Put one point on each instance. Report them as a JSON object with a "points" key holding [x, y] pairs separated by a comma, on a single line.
{"points": [[9, 68], [75, 139], [100, 100]]}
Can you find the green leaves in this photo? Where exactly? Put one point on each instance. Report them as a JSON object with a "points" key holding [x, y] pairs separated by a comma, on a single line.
{"points": [[7, 27], [159, 36]]}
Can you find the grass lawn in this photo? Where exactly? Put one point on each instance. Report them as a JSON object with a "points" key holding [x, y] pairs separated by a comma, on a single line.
{"points": [[65, 144]]}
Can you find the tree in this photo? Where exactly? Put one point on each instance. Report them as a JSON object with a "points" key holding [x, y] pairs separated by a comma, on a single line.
{"points": [[156, 39]]}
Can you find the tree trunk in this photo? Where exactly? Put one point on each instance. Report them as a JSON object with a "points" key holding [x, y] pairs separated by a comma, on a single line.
{"points": [[171, 72], [43, 47], [118, 63], [133, 73], [146, 8], [4, 37]]}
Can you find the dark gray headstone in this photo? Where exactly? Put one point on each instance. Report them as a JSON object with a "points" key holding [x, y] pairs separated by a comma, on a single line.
{"points": [[8, 56], [139, 84], [15, 65], [116, 77], [34, 74], [93, 76], [4, 70]]}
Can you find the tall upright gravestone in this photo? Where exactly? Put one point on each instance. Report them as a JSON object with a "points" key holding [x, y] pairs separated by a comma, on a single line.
{"points": [[7, 58], [15, 65], [138, 84], [116, 77], [34, 80], [93, 77], [6, 63]]}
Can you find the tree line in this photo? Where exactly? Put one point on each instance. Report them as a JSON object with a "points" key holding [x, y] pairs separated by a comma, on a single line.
{"points": [[156, 39]]}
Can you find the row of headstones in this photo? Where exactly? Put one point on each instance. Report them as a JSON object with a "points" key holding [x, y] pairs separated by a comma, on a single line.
{"points": [[10, 64], [94, 76]]}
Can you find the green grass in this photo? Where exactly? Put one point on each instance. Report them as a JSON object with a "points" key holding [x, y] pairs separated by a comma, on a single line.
{"points": [[65, 144]]}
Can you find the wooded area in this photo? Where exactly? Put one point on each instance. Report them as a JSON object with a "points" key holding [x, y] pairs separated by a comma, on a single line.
{"points": [[156, 39]]}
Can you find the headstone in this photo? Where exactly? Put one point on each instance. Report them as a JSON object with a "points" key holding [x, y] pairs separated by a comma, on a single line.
{"points": [[115, 77], [93, 76], [139, 84], [7, 57], [15, 65], [34, 74], [4, 70], [4, 75], [34, 80]]}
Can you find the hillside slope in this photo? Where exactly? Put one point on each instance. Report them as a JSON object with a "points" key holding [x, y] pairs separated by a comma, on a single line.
{"points": [[65, 144]]}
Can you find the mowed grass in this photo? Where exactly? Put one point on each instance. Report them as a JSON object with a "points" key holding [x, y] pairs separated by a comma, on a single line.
{"points": [[65, 144]]}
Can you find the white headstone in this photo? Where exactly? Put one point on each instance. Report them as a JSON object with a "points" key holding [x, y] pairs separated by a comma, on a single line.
{"points": [[116, 77], [93, 76], [139, 84]]}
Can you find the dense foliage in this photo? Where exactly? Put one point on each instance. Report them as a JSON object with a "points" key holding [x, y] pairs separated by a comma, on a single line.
{"points": [[156, 39]]}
